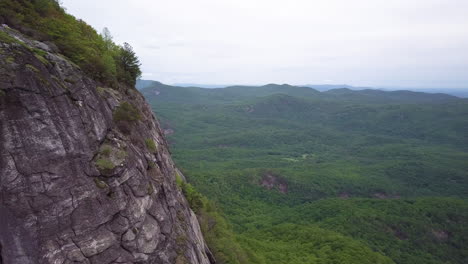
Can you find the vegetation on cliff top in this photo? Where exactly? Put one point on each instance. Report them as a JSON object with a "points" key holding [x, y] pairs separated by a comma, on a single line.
{"points": [[96, 54]]}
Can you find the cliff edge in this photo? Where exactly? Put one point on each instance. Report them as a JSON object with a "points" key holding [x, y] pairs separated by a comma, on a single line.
{"points": [[85, 171]]}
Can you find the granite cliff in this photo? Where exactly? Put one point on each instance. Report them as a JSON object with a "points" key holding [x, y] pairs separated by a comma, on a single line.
{"points": [[85, 172]]}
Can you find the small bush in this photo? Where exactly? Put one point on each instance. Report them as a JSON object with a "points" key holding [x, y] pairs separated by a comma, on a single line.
{"points": [[100, 90], [106, 150], [194, 198], [151, 145], [104, 164], [2, 93], [126, 112]]}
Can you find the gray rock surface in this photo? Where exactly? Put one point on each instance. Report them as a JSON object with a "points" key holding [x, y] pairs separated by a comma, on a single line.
{"points": [[76, 184]]}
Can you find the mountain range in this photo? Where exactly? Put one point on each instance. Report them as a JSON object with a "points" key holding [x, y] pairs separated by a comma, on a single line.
{"points": [[341, 176]]}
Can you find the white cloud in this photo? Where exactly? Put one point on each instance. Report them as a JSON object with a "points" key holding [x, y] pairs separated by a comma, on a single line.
{"points": [[361, 42]]}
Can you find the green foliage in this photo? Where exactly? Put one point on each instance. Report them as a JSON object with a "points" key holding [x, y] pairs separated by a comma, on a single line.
{"points": [[424, 230], [129, 70], [151, 145], [5, 38], [101, 90], [217, 232], [32, 68], [10, 59], [355, 165], [178, 179], [39, 52], [2, 93], [97, 55], [289, 243], [105, 150], [194, 198], [223, 242], [42, 59], [104, 164], [121, 154], [127, 112], [108, 158]]}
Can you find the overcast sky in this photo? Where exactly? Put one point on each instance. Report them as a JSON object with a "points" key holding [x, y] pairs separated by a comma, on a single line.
{"points": [[399, 43]]}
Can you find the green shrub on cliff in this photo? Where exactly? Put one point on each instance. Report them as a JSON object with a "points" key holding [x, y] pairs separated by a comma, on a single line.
{"points": [[151, 145], [4, 37], [126, 112], [96, 54], [104, 164]]}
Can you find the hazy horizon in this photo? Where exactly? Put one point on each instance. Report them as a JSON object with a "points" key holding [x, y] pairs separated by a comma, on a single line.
{"points": [[459, 92], [417, 44], [220, 85]]}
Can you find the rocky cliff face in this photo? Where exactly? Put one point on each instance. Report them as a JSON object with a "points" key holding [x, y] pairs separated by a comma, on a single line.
{"points": [[85, 172]]}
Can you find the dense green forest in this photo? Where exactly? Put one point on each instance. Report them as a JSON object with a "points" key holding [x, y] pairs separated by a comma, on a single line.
{"points": [[323, 177]]}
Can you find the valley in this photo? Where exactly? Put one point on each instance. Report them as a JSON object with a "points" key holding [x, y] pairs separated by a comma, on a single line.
{"points": [[329, 177]]}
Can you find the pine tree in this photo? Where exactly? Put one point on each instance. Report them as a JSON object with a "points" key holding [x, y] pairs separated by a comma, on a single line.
{"points": [[129, 65]]}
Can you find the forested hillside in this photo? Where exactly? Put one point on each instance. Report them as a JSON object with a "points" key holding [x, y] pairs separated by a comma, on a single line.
{"points": [[326, 177], [96, 54]]}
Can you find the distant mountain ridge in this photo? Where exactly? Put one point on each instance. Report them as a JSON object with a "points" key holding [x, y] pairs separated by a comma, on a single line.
{"points": [[196, 95], [141, 84], [326, 87]]}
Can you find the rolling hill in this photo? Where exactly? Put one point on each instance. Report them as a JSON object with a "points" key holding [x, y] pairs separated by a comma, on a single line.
{"points": [[329, 177]]}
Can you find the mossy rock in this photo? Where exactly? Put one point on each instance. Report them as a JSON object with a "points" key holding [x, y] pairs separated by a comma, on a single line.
{"points": [[150, 189], [108, 158], [152, 164], [181, 259], [101, 90], [32, 68], [121, 154], [59, 82], [100, 184], [42, 59]]}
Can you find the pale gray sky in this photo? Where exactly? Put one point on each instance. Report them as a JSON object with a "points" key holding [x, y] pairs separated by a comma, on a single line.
{"points": [[403, 43]]}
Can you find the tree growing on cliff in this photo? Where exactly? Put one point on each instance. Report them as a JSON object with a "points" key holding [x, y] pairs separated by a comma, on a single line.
{"points": [[129, 70]]}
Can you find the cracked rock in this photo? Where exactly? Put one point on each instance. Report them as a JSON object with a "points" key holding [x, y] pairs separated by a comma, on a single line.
{"points": [[63, 197]]}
